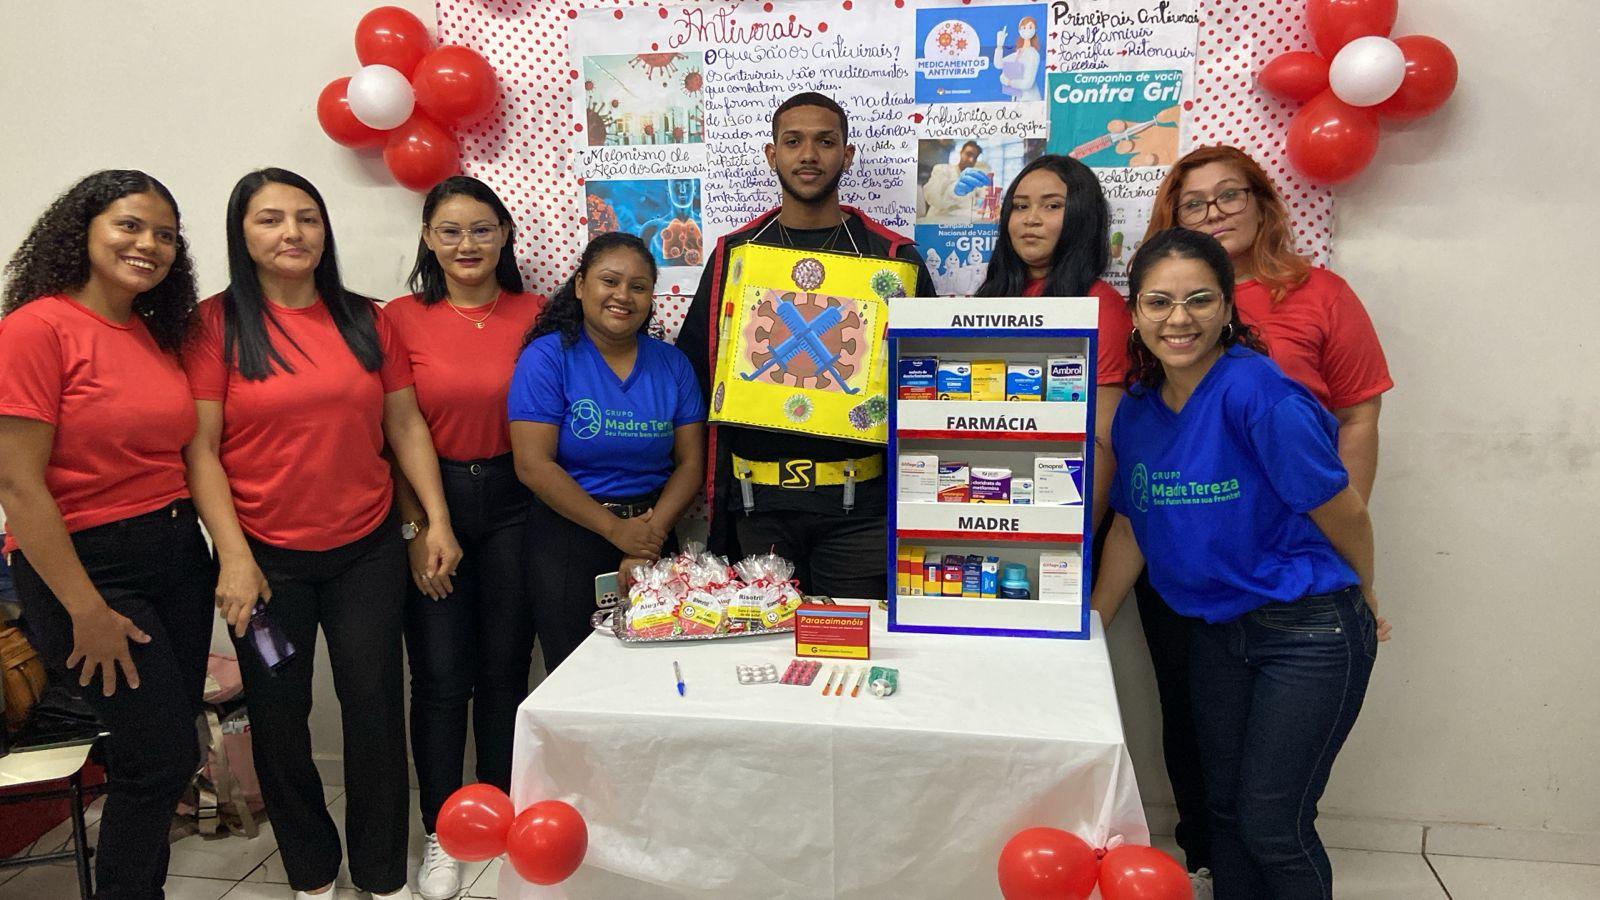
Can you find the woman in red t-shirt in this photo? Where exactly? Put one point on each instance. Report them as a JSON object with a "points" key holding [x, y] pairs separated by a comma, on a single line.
{"points": [[1052, 243], [299, 384], [110, 565], [1318, 332], [469, 637]]}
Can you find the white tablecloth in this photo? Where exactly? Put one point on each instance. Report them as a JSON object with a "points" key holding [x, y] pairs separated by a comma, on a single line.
{"points": [[767, 791]]}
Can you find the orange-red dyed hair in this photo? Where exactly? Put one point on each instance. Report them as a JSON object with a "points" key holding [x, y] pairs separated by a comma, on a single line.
{"points": [[1272, 257]]}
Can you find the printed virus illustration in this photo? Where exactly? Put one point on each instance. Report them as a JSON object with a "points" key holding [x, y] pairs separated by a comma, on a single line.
{"points": [[797, 408], [869, 412], [682, 243], [693, 82], [656, 65], [805, 340], [602, 217], [887, 284], [717, 398], [808, 274], [952, 35], [600, 123]]}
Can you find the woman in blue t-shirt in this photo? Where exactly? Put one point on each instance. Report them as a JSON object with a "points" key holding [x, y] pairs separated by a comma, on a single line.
{"points": [[1229, 487], [608, 431]]}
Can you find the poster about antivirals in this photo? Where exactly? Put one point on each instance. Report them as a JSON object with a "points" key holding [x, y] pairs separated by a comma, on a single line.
{"points": [[960, 185], [981, 54], [1113, 119]]}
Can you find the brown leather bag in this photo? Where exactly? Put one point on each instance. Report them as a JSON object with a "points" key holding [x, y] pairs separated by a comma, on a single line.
{"points": [[21, 675]]}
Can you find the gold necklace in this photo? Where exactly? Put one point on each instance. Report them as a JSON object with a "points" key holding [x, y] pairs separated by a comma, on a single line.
{"points": [[477, 323]]}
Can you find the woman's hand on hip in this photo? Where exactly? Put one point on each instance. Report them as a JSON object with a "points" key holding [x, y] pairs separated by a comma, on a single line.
{"points": [[100, 641]]}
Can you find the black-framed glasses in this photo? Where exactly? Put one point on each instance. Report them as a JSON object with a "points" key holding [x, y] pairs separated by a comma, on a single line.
{"points": [[1202, 306], [1195, 210], [451, 235]]}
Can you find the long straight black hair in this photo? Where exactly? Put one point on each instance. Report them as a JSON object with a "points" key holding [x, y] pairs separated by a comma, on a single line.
{"points": [[564, 313], [246, 313], [1082, 251], [427, 276], [1146, 371]]}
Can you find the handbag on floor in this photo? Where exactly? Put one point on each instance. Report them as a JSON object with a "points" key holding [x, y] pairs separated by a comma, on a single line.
{"points": [[225, 794]]}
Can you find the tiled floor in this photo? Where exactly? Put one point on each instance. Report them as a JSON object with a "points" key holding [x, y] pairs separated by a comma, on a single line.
{"points": [[241, 869]]}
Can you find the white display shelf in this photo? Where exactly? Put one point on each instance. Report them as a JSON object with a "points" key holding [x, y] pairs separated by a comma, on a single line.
{"points": [[991, 420], [970, 612], [988, 522]]}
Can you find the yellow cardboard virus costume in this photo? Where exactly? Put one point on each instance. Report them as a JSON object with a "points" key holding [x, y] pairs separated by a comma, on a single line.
{"points": [[801, 343]]}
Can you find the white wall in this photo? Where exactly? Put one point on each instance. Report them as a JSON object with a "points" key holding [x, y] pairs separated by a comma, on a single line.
{"points": [[1470, 239]]}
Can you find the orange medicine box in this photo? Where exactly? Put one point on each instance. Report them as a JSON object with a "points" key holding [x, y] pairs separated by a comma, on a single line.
{"points": [[833, 631]]}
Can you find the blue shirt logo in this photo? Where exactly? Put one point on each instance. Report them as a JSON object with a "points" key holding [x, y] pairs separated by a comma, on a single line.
{"points": [[1138, 488], [586, 419]]}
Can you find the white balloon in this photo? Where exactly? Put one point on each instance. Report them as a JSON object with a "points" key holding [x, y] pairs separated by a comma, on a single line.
{"points": [[1366, 71], [380, 97]]}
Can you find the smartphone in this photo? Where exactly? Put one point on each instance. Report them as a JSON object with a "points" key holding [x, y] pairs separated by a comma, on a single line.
{"points": [[606, 594]]}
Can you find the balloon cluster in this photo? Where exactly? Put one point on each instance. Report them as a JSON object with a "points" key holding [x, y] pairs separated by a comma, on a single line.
{"points": [[1051, 864], [1356, 76], [407, 96], [545, 842]]}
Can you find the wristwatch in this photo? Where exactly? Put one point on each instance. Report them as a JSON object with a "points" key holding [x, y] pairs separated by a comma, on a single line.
{"points": [[410, 530]]}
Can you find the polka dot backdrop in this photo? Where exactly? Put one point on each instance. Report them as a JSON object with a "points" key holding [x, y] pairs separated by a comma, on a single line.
{"points": [[522, 149], [1238, 38]]}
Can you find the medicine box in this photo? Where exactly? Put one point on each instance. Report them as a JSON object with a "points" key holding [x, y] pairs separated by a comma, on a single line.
{"points": [[919, 377], [954, 380], [919, 477], [1066, 378], [1024, 381], [989, 379]]}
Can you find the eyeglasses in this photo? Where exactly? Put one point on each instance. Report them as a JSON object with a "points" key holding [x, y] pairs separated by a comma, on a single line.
{"points": [[450, 235], [1201, 306], [1194, 211]]}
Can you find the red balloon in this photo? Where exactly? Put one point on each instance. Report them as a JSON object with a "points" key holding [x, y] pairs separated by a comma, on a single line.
{"points": [[1335, 23], [1047, 864], [1297, 76], [421, 153], [1330, 140], [455, 85], [391, 36], [339, 123], [1430, 78], [547, 842], [1132, 872], [473, 822]]}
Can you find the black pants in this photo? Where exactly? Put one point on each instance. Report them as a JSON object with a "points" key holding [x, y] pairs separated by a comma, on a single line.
{"points": [[834, 555], [475, 644], [356, 593], [564, 558], [1167, 635], [155, 570]]}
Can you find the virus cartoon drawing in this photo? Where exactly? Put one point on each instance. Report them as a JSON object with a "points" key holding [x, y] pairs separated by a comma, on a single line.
{"points": [[656, 65], [808, 274], [797, 408], [869, 412], [805, 340], [600, 123], [717, 398], [602, 217], [951, 35], [887, 284], [693, 82]]}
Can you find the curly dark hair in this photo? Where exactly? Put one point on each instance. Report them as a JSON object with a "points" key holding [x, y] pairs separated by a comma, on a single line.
{"points": [[54, 257], [563, 314], [1146, 371]]}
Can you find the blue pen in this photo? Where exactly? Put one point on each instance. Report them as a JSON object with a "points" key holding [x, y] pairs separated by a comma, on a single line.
{"points": [[678, 674]]}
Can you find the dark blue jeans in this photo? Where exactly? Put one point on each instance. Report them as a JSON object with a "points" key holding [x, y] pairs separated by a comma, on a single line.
{"points": [[476, 644], [1275, 694]]}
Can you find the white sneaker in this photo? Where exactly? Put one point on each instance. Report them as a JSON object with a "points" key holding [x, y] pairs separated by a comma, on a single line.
{"points": [[1201, 882], [439, 875], [332, 893]]}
